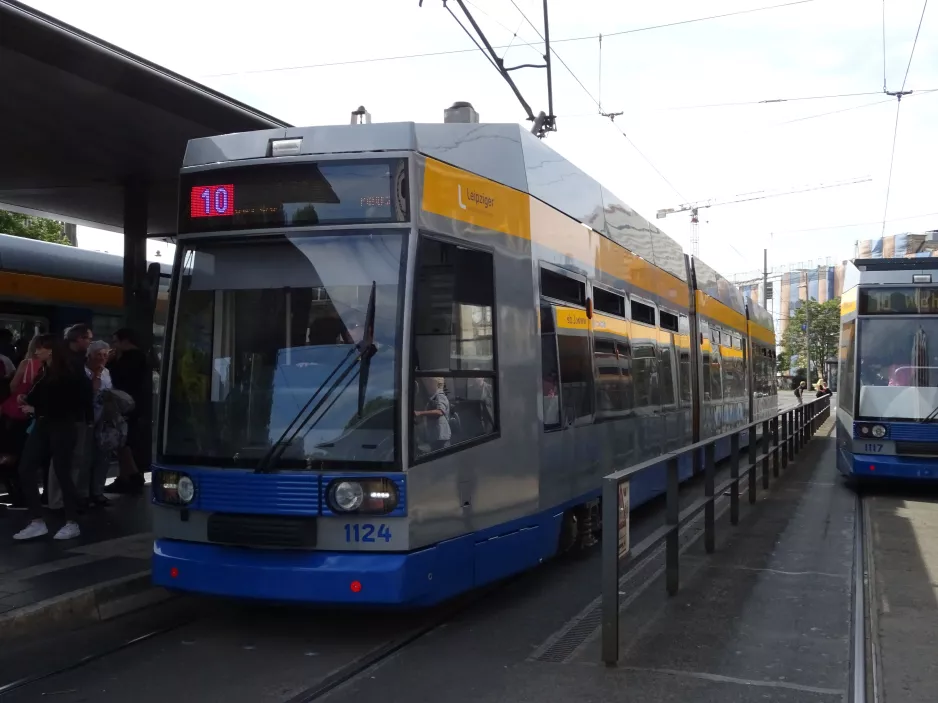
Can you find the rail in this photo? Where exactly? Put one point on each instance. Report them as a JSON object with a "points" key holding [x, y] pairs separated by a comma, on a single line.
{"points": [[783, 437]]}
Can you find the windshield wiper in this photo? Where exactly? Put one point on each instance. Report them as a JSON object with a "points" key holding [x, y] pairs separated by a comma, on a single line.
{"points": [[931, 416], [366, 350]]}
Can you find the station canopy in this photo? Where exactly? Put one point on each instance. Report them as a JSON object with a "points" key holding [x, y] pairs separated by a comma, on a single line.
{"points": [[80, 119]]}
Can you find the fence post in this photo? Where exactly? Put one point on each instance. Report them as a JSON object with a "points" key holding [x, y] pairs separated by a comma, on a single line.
{"points": [[709, 512], [791, 435], [765, 454], [798, 429], [784, 441], [672, 515], [751, 470], [806, 427], [734, 474], [776, 459], [610, 572]]}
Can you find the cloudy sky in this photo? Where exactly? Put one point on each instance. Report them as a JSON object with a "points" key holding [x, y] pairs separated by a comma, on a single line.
{"points": [[686, 93]]}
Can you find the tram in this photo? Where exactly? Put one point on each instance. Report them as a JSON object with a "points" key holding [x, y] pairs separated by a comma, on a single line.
{"points": [[46, 287], [402, 356], [887, 406]]}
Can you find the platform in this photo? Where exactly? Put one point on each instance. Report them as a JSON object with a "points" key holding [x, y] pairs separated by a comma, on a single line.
{"points": [[902, 556], [46, 584]]}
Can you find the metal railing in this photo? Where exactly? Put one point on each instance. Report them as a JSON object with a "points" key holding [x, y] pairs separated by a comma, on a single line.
{"points": [[783, 437]]}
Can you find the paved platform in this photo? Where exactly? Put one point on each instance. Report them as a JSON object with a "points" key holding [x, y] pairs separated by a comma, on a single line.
{"points": [[767, 616], [46, 584], [902, 556]]}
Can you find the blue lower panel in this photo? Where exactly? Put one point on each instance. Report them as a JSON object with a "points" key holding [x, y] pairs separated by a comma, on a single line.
{"points": [[874, 466], [319, 577], [417, 578]]}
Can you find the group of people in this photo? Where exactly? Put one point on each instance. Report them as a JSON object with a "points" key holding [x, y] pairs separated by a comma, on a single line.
{"points": [[70, 404]]}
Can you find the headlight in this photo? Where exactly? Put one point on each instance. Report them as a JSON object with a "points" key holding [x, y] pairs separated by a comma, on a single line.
{"points": [[879, 431], [347, 496], [864, 430], [375, 496], [185, 489], [173, 488]]}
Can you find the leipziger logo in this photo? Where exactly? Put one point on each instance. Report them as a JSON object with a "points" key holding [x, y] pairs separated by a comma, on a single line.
{"points": [[474, 197]]}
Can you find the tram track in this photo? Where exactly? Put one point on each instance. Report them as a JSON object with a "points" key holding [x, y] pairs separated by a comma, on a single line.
{"points": [[98, 654], [866, 680], [222, 622]]}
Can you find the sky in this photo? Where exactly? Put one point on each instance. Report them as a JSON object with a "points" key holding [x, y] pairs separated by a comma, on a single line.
{"points": [[311, 62]]}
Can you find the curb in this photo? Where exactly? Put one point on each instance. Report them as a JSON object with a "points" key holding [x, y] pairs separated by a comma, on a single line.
{"points": [[97, 603]]}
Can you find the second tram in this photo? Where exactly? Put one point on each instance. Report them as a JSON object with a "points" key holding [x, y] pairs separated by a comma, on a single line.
{"points": [[887, 405], [402, 356]]}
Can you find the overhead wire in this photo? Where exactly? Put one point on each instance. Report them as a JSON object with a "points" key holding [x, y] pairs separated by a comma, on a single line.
{"points": [[450, 52], [885, 90], [914, 43], [895, 131], [469, 34], [599, 107], [892, 159]]}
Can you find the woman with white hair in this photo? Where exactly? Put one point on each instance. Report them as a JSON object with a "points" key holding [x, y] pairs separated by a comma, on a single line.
{"points": [[97, 458]]}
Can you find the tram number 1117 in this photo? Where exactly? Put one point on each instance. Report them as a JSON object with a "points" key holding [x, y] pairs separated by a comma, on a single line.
{"points": [[367, 533]]}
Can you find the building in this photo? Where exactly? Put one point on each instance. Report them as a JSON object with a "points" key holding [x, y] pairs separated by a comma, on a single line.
{"points": [[790, 285]]}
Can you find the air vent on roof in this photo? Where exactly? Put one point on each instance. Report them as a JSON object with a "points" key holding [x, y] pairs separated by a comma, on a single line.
{"points": [[460, 112]]}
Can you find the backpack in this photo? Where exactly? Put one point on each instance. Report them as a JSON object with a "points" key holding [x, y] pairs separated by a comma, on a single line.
{"points": [[111, 433]]}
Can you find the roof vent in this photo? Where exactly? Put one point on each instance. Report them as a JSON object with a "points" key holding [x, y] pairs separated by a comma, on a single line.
{"points": [[361, 116], [460, 112]]}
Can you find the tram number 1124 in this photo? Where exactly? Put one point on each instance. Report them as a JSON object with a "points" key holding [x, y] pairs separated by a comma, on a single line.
{"points": [[367, 533]]}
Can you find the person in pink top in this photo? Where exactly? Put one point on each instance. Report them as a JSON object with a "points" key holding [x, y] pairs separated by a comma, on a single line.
{"points": [[14, 424]]}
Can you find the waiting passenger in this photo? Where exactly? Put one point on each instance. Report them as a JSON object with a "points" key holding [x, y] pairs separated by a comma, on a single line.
{"points": [[96, 458], [58, 401], [14, 423]]}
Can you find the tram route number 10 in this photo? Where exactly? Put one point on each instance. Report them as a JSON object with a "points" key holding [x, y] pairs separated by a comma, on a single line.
{"points": [[367, 533], [212, 201]]}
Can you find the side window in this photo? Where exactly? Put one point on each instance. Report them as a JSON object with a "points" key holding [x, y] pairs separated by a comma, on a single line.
{"points": [[612, 361], [644, 369], [454, 393], [716, 380], [576, 376], [847, 380], [559, 287], [550, 371], [666, 367], [684, 364]]}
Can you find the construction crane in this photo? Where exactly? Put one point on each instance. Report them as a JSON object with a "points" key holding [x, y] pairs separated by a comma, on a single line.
{"points": [[693, 208]]}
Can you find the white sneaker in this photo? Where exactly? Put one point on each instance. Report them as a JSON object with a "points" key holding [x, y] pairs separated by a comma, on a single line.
{"points": [[36, 528], [69, 531]]}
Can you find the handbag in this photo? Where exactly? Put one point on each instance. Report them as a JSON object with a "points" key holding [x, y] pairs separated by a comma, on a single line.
{"points": [[10, 407]]}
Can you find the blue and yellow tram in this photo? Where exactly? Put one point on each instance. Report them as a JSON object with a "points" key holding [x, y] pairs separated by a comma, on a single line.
{"points": [[887, 408], [47, 287], [402, 356]]}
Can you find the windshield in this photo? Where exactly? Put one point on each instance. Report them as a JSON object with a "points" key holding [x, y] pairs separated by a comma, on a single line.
{"points": [[263, 325], [898, 360]]}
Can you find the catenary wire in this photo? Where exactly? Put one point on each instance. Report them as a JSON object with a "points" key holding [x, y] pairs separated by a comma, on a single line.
{"points": [[449, 52], [914, 43]]}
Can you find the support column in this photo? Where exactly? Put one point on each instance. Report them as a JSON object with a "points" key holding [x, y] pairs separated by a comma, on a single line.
{"points": [[138, 306]]}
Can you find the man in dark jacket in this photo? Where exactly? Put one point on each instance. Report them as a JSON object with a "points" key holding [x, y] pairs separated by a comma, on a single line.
{"points": [[78, 338]]}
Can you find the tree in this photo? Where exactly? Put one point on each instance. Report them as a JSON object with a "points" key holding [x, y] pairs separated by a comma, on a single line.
{"points": [[824, 333], [32, 227], [783, 363]]}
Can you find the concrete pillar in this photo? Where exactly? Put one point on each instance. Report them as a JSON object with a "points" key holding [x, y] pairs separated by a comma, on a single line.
{"points": [[138, 306]]}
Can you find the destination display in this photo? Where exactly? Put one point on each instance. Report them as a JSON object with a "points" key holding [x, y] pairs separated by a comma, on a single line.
{"points": [[268, 196], [894, 300]]}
